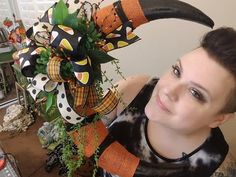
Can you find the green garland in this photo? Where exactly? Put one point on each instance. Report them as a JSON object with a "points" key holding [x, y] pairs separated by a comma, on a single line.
{"points": [[74, 160]]}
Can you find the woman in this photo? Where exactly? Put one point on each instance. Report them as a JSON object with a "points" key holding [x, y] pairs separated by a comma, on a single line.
{"points": [[175, 119]]}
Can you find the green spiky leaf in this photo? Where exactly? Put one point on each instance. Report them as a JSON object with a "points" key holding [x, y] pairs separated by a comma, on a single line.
{"points": [[82, 27], [71, 21], [99, 56], [60, 13], [91, 27], [49, 101], [97, 73], [67, 70]]}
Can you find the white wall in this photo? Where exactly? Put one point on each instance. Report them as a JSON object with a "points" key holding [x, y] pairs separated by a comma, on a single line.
{"points": [[30, 10], [163, 41], [5, 10]]}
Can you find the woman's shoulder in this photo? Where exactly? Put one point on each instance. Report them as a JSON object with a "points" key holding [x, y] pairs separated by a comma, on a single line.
{"points": [[132, 83], [129, 88]]}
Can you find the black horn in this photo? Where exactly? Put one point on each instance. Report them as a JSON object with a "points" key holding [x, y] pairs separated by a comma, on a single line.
{"points": [[143, 11]]}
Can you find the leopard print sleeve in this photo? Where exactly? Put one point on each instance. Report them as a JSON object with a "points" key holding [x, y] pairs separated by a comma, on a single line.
{"points": [[227, 168]]}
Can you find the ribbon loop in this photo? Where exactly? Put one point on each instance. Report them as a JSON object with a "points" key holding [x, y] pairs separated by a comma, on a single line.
{"points": [[108, 103], [33, 91], [83, 71], [67, 39], [65, 109], [47, 16], [27, 58], [120, 37], [40, 82], [41, 32], [80, 95], [93, 98], [54, 69]]}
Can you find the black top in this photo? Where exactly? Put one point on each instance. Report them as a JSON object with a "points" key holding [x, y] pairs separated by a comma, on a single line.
{"points": [[130, 129]]}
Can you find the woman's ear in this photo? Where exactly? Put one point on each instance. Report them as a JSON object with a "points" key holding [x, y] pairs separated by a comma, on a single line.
{"points": [[221, 119]]}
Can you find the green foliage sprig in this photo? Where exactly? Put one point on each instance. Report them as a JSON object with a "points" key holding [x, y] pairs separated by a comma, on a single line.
{"points": [[73, 160], [42, 61]]}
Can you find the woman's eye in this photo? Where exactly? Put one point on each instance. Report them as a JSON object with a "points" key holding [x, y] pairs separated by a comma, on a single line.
{"points": [[197, 94], [176, 70]]}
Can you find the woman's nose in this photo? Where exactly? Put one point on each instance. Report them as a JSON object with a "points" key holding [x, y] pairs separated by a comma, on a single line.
{"points": [[173, 91]]}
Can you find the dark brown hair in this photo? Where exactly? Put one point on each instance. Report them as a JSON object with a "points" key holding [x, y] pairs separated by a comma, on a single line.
{"points": [[220, 44]]}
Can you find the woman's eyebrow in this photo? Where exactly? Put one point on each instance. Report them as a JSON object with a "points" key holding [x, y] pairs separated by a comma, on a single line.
{"points": [[192, 82], [201, 87], [180, 65]]}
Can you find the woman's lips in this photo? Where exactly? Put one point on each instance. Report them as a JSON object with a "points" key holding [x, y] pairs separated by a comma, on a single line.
{"points": [[162, 105]]}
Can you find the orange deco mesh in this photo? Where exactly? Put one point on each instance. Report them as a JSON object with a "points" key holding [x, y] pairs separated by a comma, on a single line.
{"points": [[108, 20], [117, 160], [134, 12], [89, 135]]}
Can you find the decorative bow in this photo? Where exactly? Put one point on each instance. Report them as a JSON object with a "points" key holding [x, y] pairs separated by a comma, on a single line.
{"points": [[65, 53]]}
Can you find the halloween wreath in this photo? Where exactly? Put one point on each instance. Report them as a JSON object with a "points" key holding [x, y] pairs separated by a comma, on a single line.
{"points": [[63, 57]]}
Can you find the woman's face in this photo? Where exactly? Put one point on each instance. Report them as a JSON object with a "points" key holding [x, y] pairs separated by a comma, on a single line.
{"points": [[189, 97]]}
